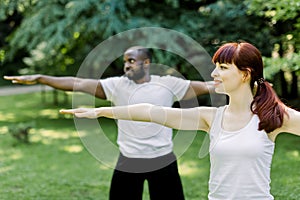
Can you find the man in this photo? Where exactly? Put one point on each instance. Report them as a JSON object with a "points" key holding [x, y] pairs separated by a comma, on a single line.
{"points": [[146, 149]]}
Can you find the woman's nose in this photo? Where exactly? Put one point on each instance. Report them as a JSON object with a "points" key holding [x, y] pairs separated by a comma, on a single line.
{"points": [[214, 73]]}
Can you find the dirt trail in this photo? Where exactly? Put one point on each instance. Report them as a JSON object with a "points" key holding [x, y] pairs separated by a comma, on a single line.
{"points": [[22, 89]]}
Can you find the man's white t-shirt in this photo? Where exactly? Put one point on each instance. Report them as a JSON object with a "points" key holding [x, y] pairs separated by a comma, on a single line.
{"points": [[144, 139]]}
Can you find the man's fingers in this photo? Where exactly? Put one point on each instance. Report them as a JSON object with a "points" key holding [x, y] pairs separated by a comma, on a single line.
{"points": [[20, 79], [10, 78]]}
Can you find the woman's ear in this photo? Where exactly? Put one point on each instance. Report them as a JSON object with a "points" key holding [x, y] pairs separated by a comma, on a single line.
{"points": [[247, 75]]}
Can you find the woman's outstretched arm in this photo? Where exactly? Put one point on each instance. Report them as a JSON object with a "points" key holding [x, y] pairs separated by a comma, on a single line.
{"points": [[291, 123], [184, 119]]}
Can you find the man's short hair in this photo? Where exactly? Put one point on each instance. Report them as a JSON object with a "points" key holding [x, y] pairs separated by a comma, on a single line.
{"points": [[143, 50]]}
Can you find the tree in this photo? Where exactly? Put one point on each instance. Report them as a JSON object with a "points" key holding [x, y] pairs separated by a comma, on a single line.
{"points": [[57, 35], [284, 18]]}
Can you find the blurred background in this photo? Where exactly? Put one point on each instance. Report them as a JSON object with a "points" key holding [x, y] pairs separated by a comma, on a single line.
{"points": [[54, 37]]}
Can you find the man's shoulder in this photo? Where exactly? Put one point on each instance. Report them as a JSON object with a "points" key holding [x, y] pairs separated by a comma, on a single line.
{"points": [[115, 78], [165, 78]]}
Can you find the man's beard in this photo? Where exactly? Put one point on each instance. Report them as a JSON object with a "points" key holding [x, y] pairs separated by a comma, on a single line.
{"points": [[137, 75]]}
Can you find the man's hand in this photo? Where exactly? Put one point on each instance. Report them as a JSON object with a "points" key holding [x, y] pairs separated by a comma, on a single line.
{"points": [[81, 112], [27, 79]]}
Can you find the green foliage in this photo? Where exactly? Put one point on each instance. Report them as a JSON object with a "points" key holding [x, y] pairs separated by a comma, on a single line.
{"points": [[8, 7], [286, 64], [283, 16], [276, 10], [56, 36], [226, 21], [50, 31]]}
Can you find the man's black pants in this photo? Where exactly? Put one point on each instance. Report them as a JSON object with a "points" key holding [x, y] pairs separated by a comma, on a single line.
{"points": [[161, 173]]}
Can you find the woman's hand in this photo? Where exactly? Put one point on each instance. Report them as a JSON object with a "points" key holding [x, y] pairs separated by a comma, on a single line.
{"points": [[91, 113]]}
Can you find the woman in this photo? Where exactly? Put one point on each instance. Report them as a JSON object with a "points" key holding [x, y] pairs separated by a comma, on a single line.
{"points": [[242, 133]]}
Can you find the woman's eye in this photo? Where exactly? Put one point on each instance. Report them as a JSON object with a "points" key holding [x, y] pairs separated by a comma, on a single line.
{"points": [[223, 67]]}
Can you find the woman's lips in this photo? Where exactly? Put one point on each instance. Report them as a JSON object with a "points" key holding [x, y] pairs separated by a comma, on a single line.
{"points": [[217, 82]]}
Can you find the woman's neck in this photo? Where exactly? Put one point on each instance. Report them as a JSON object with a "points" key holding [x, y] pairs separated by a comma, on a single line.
{"points": [[240, 101]]}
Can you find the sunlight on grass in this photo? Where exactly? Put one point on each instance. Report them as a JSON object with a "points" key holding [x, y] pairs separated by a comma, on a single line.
{"points": [[7, 116], [190, 168], [294, 154], [46, 135], [49, 113], [82, 133], [104, 167], [16, 156], [13, 155], [54, 134], [6, 169], [73, 148], [3, 130]]}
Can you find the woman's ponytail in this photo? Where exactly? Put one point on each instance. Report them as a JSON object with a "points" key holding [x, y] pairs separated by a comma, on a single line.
{"points": [[268, 107]]}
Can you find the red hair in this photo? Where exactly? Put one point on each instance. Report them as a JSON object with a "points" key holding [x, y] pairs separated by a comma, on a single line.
{"points": [[266, 103]]}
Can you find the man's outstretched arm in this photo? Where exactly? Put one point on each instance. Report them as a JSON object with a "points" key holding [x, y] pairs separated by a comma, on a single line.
{"points": [[198, 88], [90, 86]]}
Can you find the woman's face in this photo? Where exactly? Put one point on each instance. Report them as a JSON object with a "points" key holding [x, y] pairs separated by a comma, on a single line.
{"points": [[227, 77]]}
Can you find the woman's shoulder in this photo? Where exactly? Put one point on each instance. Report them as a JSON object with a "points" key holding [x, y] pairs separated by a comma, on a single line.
{"points": [[209, 113], [211, 110]]}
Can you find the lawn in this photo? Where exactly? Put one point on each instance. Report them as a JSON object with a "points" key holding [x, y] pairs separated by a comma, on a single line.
{"points": [[61, 163]]}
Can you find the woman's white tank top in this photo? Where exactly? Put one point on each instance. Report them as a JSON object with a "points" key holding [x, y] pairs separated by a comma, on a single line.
{"points": [[240, 161]]}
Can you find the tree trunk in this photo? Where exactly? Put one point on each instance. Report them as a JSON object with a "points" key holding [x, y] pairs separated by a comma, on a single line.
{"points": [[294, 86], [55, 97], [284, 87]]}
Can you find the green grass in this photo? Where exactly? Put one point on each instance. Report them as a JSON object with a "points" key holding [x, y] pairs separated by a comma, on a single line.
{"points": [[56, 164]]}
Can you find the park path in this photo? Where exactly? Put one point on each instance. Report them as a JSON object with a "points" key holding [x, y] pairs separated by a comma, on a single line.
{"points": [[22, 89]]}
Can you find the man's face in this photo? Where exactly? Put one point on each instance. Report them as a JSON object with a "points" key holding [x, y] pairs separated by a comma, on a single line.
{"points": [[134, 65]]}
